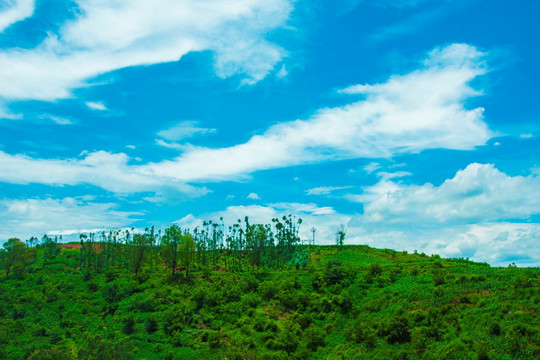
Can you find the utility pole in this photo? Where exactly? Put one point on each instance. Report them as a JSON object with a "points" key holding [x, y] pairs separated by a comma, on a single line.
{"points": [[313, 232]]}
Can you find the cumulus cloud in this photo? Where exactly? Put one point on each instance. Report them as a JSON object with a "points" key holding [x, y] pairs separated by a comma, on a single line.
{"points": [[480, 213], [477, 193], [497, 243], [105, 36], [24, 218], [424, 109], [13, 11], [253, 196]]}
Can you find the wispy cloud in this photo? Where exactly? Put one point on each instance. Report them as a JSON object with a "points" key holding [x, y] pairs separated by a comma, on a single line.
{"points": [[60, 120], [325, 190], [13, 11], [96, 105], [106, 36], [372, 166], [112, 172], [184, 130], [424, 109], [170, 145]]}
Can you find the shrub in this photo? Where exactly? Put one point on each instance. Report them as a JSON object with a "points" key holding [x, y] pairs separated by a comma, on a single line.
{"points": [[375, 269], [110, 293], [251, 300], [259, 322], [438, 278], [55, 353], [151, 325], [268, 290], [93, 287], [304, 321], [314, 337], [398, 330], [172, 323], [420, 339], [356, 332], [129, 325]]}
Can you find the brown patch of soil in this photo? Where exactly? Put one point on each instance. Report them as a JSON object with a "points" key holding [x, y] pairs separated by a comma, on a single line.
{"points": [[70, 246], [98, 247]]}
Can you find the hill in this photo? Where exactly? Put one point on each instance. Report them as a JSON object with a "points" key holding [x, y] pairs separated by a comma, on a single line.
{"points": [[346, 302]]}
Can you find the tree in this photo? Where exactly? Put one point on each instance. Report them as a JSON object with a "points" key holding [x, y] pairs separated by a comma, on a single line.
{"points": [[17, 256], [140, 246], [340, 236], [187, 251], [50, 247], [169, 246]]}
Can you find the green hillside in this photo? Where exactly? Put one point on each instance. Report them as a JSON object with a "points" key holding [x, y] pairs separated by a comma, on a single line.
{"points": [[344, 302]]}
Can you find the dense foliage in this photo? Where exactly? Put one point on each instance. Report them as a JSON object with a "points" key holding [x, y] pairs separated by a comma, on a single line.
{"points": [[256, 293]]}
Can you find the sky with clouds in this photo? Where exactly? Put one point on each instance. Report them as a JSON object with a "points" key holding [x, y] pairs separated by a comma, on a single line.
{"points": [[413, 123]]}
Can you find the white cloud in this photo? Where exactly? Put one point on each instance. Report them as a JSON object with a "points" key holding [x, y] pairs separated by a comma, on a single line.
{"points": [[383, 187], [477, 193], [24, 218], [183, 130], [479, 214], [282, 72], [60, 120], [105, 36], [372, 166], [300, 208], [421, 110], [325, 190], [109, 171], [96, 105], [499, 244], [407, 114], [13, 11], [253, 196], [169, 145]]}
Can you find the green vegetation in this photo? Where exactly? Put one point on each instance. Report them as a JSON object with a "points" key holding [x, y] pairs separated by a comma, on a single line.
{"points": [[254, 292]]}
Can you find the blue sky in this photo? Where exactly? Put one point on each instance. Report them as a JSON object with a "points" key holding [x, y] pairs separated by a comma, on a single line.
{"points": [[413, 123]]}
